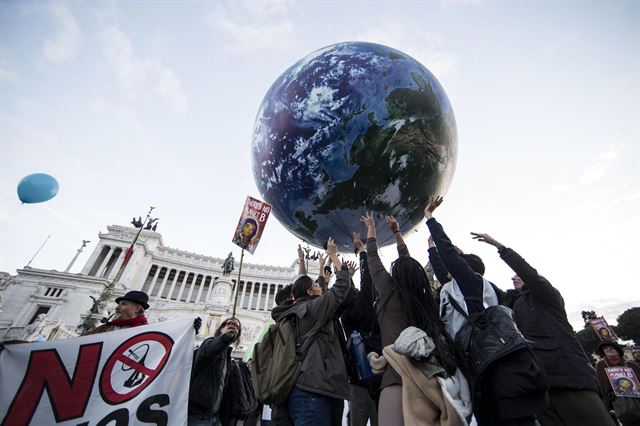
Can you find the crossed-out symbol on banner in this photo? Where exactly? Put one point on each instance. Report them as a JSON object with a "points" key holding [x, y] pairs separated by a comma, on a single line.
{"points": [[132, 355]]}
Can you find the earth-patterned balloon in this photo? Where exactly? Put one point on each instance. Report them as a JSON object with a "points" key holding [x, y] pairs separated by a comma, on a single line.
{"points": [[353, 128]]}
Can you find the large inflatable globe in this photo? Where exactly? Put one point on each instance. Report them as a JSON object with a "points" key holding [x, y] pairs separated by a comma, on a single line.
{"points": [[353, 128]]}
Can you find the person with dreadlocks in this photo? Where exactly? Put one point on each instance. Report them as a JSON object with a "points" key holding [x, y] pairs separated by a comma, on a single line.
{"points": [[405, 300]]}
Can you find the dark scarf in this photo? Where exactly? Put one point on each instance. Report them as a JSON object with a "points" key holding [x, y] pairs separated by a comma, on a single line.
{"points": [[133, 322], [615, 360]]}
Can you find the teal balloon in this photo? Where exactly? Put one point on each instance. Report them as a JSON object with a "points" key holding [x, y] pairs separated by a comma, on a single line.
{"points": [[37, 188]]}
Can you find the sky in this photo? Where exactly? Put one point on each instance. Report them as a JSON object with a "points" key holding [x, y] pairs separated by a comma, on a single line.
{"points": [[132, 104]]}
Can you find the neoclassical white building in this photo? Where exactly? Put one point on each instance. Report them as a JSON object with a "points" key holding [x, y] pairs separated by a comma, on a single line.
{"points": [[48, 304]]}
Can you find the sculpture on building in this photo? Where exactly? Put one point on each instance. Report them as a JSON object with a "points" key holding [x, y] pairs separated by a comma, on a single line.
{"points": [[137, 223], [228, 265], [152, 225]]}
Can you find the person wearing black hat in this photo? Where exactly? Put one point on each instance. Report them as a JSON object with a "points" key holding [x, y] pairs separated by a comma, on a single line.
{"points": [[129, 313], [612, 354]]}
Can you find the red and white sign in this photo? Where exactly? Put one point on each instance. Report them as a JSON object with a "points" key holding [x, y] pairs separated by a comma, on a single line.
{"points": [[131, 376]]}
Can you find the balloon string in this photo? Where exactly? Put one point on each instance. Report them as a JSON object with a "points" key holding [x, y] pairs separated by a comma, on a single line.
{"points": [[9, 214]]}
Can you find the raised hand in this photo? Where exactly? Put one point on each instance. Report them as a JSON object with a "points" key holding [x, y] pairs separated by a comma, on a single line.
{"points": [[370, 224], [486, 238], [322, 260], [357, 242], [332, 251], [197, 323], [352, 267], [392, 223], [300, 253], [434, 202]]}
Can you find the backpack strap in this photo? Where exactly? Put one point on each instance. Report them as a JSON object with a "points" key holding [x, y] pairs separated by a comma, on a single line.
{"points": [[461, 311]]}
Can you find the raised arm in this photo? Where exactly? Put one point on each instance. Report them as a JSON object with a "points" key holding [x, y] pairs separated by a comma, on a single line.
{"points": [[328, 304], [393, 225], [379, 274], [459, 269], [302, 267], [322, 281], [538, 286], [439, 268]]}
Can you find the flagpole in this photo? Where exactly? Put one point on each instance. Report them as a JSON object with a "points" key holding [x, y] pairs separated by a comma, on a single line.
{"points": [[106, 294], [129, 251], [235, 301]]}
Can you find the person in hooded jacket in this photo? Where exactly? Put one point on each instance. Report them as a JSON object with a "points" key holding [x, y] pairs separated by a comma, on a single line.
{"points": [[209, 374], [509, 387], [323, 375], [539, 313]]}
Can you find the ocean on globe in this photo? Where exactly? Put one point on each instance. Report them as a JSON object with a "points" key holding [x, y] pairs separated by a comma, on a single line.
{"points": [[353, 128]]}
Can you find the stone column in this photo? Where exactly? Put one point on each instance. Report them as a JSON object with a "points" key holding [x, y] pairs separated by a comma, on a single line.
{"points": [[244, 291], [267, 299], [250, 294], [213, 281], [182, 285], [192, 286], [104, 262], [202, 283], [164, 282], [153, 281], [173, 284], [259, 296]]}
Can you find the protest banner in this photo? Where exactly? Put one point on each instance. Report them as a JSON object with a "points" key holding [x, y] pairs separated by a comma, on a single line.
{"points": [[603, 330], [251, 224], [623, 381], [136, 375], [248, 232]]}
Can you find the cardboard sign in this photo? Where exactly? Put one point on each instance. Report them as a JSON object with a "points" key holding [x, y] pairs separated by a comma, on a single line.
{"points": [[603, 330], [623, 381], [251, 224]]}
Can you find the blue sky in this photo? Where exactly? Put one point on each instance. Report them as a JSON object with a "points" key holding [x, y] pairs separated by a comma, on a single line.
{"points": [[131, 104]]}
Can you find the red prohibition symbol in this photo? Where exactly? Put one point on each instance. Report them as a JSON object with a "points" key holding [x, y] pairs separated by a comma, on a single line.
{"points": [[131, 354]]}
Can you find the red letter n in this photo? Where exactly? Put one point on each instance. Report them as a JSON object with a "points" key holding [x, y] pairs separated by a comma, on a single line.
{"points": [[68, 397]]}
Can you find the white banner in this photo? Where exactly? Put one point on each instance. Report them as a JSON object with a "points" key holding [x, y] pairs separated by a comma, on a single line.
{"points": [[134, 376]]}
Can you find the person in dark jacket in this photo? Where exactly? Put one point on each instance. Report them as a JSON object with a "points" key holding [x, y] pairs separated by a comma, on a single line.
{"points": [[323, 376], [209, 374], [539, 312], [129, 313], [512, 389], [361, 318]]}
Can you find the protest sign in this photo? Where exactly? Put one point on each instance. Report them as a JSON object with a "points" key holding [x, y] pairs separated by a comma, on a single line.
{"points": [[251, 224], [132, 376], [603, 330], [623, 381]]}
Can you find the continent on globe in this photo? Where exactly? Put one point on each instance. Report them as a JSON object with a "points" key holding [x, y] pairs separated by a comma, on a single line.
{"points": [[353, 128]]}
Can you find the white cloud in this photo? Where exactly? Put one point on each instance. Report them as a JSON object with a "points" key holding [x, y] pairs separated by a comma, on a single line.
{"points": [[63, 47], [560, 188], [597, 170], [143, 77], [251, 27], [425, 47]]}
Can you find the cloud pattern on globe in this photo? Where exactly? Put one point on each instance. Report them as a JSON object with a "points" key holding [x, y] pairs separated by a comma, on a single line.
{"points": [[352, 128]]}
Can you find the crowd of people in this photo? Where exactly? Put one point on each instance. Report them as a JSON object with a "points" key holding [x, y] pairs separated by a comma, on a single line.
{"points": [[466, 352]]}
